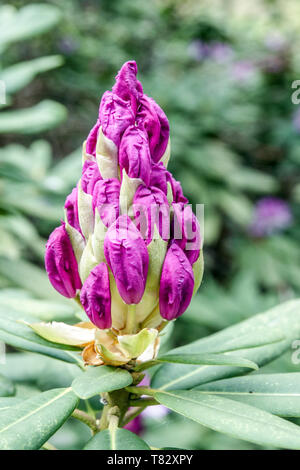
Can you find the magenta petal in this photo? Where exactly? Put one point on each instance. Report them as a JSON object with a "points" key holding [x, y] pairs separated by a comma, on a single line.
{"points": [[127, 256], [115, 115], [71, 206], [90, 176], [61, 264], [127, 86], [106, 199], [151, 207], [186, 231], [136, 426], [95, 296], [176, 284], [178, 195], [134, 154], [92, 139], [159, 177], [156, 124]]}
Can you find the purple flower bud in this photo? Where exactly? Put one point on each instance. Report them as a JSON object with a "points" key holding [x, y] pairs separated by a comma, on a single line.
{"points": [[159, 177], [151, 207], [135, 426], [95, 296], [106, 199], [134, 154], [127, 86], [156, 124], [176, 284], [90, 176], [61, 264], [71, 206], [127, 256], [115, 115], [91, 141], [186, 231]]}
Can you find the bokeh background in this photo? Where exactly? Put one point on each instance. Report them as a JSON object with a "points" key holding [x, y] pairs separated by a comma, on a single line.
{"points": [[222, 71]]}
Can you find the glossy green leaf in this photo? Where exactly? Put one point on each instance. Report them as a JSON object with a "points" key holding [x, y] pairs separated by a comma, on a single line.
{"points": [[8, 402], [117, 439], [14, 332], [7, 388], [29, 425], [281, 321], [277, 393], [208, 359], [38, 118], [231, 417], [100, 379]]}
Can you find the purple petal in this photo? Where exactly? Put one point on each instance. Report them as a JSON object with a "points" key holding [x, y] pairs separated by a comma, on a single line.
{"points": [[71, 206], [61, 264], [178, 195], [95, 296], [127, 86], [176, 284], [159, 177], [151, 207], [92, 139], [127, 256], [186, 231], [156, 124], [90, 176], [134, 154], [136, 426], [115, 115], [106, 199]]}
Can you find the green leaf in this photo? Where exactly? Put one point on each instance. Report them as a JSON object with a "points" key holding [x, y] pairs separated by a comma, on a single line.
{"points": [[39, 118], [208, 359], [231, 417], [277, 393], [19, 75], [29, 425], [8, 402], [281, 321], [21, 336], [100, 379], [27, 22], [7, 388], [117, 439]]}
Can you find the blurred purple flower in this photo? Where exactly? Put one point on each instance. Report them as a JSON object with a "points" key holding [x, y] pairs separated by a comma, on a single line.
{"points": [[136, 425], [270, 215], [243, 70], [296, 121], [217, 51]]}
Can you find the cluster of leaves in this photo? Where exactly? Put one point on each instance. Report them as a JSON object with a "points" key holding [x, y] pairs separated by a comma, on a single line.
{"points": [[235, 138]]}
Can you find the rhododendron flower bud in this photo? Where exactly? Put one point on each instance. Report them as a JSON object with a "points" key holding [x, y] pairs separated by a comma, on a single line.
{"points": [[126, 254], [151, 208], [130, 248], [186, 231], [95, 296], [176, 284], [134, 154], [61, 264], [90, 176], [71, 208], [106, 199]]}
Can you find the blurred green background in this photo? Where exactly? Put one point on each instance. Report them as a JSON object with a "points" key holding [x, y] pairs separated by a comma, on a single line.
{"points": [[222, 71]]}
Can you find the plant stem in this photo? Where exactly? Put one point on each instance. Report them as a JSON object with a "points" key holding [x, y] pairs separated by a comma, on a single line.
{"points": [[143, 402], [133, 415], [86, 419], [141, 390], [130, 322]]}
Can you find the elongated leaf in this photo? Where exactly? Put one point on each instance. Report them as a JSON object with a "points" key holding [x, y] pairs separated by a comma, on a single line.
{"points": [[281, 321], [38, 118], [27, 22], [8, 402], [7, 388], [29, 425], [21, 336], [19, 75], [118, 439], [277, 393], [208, 359], [100, 379], [233, 418]]}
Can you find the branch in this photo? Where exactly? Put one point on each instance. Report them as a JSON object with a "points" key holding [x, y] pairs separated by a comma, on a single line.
{"points": [[86, 419]]}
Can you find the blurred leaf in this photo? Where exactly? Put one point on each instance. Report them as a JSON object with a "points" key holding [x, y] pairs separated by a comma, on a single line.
{"points": [[116, 439], [6, 387], [29, 425], [233, 418], [6, 403], [38, 118], [97, 380]]}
